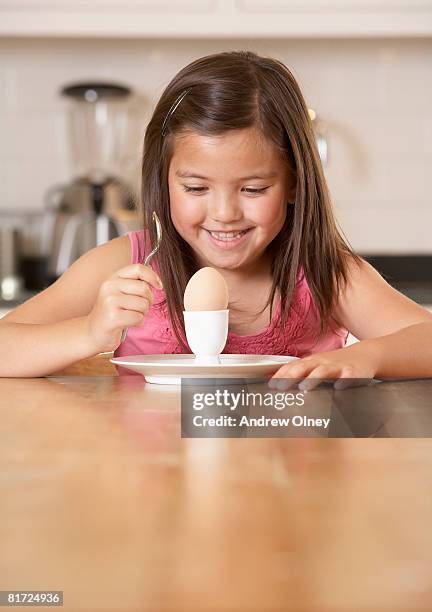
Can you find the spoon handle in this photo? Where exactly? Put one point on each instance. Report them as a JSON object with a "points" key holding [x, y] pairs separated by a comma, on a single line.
{"points": [[148, 259]]}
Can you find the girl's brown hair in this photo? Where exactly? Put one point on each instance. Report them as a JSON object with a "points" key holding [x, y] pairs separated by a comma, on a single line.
{"points": [[236, 90]]}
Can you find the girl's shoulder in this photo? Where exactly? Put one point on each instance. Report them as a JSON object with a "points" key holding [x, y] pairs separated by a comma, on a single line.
{"points": [[120, 248]]}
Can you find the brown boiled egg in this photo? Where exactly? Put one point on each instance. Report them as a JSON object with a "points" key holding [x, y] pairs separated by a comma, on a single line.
{"points": [[206, 290]]}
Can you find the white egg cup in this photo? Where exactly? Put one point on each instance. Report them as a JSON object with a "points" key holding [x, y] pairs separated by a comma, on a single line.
{"points": [[206, 333]]}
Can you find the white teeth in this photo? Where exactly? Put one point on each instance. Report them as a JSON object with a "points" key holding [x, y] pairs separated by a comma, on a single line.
{"points": [[226, 235]]}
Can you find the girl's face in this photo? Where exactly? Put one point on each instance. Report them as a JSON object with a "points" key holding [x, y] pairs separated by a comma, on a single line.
{"points": [[228, 195]]}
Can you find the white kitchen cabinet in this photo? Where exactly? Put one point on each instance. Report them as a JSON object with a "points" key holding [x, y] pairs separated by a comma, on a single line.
{"points": [[215, 18]]}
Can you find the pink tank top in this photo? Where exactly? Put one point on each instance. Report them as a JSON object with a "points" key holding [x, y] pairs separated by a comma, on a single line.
{"points": [[155, 335]]}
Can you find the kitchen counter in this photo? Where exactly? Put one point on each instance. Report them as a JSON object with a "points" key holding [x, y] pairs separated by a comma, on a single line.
{"points": [[103, 499]]}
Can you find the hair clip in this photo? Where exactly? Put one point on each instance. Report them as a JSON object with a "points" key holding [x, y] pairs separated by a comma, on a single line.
{"points": [[172, 109]]}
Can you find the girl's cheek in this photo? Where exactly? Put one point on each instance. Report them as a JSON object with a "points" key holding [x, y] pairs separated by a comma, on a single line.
{"points": [[187, 212], [266, 212]]}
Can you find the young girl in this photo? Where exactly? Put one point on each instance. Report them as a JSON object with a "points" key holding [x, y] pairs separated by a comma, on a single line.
{"points": [[232, 169]]}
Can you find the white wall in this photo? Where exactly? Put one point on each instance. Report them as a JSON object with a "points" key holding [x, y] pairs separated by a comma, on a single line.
{"points": [[375, 94]]}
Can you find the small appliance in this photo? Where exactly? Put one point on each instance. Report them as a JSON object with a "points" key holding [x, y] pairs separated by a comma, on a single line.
{"points": [[96, 206]]}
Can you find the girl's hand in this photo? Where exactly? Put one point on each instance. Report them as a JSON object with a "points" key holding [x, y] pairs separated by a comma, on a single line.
{"points": [[351, 362], [123, 301]]}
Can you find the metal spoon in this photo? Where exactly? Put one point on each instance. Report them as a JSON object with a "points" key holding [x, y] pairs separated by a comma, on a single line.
{"points": [[147, 260]]}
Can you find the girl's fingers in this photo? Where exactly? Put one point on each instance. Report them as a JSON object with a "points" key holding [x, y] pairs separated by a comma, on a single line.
{"points": [[318, 374], [288, 375], [131, 302], [134, 287], [342, 383], [295, 368], [348, 379], [142, 272], [308, 373]]}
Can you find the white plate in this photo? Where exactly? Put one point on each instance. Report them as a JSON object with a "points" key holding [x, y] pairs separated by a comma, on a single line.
{"points": [[169, 369]]}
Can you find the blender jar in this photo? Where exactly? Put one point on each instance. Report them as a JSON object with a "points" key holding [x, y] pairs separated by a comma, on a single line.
{"points": [[99, 126]]}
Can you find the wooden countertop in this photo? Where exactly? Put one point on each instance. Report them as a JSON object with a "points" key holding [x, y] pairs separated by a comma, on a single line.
{"points": [[102, 498]]}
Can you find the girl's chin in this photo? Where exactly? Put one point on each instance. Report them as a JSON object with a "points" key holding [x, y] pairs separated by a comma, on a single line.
{"points": [[227, 260]]}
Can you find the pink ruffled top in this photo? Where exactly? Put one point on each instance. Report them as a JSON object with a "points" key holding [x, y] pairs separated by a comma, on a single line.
{"points": [[156, 336]]}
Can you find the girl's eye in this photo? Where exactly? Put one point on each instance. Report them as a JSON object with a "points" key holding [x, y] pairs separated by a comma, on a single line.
{"points": [[201, 189], [193, 189]]}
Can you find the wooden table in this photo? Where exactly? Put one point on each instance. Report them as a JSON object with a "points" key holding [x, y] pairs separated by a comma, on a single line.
{"points": [[102, 498]]}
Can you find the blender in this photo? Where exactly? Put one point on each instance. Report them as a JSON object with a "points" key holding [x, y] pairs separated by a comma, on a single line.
{"points": [[96, 206]]}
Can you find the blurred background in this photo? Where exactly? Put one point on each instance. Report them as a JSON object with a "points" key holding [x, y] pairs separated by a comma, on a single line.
{"points": [[79, 80]]}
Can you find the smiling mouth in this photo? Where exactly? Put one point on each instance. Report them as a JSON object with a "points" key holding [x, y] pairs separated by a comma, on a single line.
{"points": [[227, 236]]}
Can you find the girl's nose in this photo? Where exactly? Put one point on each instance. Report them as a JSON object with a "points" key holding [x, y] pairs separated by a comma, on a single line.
{"points": [[225, 210]]}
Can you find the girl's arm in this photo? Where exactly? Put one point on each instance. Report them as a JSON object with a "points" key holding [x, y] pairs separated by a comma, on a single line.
{"points": [[395, 335], [51, 330], [29, 350]]}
